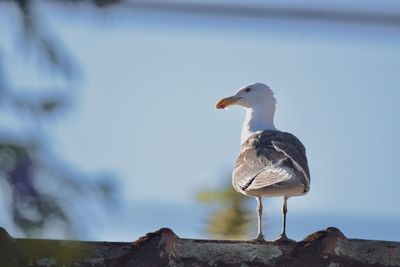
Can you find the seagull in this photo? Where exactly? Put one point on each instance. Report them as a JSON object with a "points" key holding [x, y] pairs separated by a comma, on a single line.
{"points": [[271, 163]]}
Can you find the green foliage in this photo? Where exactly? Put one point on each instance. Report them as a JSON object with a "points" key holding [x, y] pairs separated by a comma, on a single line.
{"points": [[230, 218]]}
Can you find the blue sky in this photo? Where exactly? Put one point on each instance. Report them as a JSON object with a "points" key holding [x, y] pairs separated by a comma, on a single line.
{"points": [[145, 112]]}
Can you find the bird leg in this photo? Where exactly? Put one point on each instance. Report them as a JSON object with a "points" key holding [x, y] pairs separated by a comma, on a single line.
{"points": [[284, 239], [284, 210], [260, 236]]}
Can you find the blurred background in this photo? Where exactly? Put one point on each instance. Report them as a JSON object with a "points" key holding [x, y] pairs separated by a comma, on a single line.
{"points": [[108, 128]]}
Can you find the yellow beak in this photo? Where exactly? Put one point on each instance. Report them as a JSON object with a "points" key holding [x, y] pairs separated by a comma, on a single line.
{"points": [[223, 103]]}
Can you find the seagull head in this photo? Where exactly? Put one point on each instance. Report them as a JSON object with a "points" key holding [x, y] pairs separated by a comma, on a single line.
{"points": [[250, 96]]}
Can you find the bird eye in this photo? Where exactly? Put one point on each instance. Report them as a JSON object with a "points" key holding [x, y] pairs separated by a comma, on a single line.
{"points": [[247, 90]]}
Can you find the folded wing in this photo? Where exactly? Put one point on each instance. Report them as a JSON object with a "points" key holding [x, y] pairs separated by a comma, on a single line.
{"points": [[268, 158]]}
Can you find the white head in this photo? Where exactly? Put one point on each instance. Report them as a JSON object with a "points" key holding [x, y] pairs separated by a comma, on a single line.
{"points": [[250, 96], [259, 101]]}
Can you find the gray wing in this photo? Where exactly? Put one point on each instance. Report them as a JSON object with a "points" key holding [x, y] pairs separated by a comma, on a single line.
{"points": [[268, 158]]}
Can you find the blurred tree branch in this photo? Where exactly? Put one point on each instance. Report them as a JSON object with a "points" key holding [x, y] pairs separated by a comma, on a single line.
{"points": [[41, 190], [52, 53], [302, 11]]}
